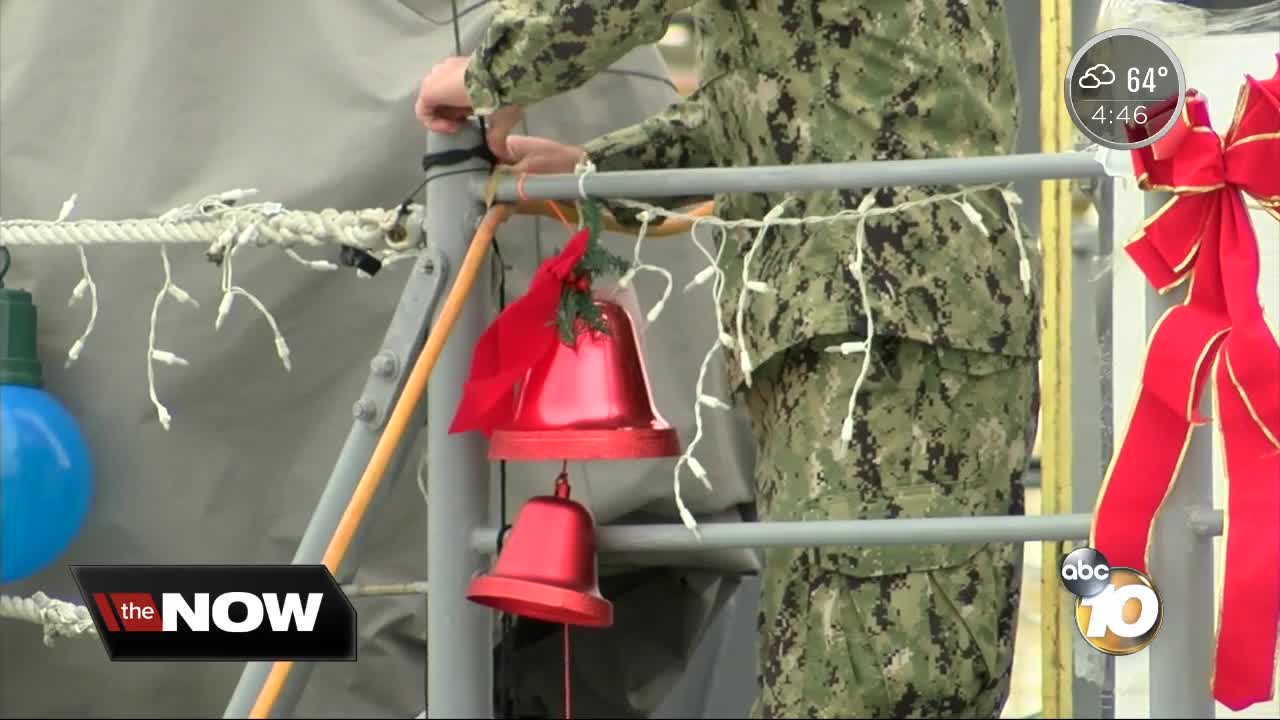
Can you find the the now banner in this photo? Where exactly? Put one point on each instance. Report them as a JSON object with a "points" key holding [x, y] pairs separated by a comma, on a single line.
{"points": [[219, 612]]}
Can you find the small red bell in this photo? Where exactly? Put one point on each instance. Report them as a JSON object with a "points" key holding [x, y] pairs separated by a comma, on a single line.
{"points": [[547, 568], [588, 402]]}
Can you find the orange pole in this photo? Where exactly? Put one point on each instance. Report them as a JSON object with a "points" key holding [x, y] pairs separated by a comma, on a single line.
{"points": [[414, 388], [567, 213]]}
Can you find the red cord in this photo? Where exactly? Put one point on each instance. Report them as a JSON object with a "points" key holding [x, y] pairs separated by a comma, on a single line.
{"points": [[566, 673]]}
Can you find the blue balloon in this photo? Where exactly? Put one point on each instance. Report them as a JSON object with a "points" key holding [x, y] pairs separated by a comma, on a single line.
{"points": [[46, 481]]}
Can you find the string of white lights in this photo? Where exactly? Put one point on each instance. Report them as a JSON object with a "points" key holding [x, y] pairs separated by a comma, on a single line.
{"points": [[865, 211], [239, 225]]}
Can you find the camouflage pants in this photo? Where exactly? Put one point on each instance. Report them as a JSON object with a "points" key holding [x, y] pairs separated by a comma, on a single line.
{"points": [[900, 630]]}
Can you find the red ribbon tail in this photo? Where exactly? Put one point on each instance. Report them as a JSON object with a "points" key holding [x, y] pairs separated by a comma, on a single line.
{"points": [[518, 337], [1141, 473], [1146, 464], [1244, 663]]}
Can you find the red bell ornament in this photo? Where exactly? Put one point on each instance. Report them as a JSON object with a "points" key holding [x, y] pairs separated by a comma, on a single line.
{"points": [[591, 401], [547, 568]]}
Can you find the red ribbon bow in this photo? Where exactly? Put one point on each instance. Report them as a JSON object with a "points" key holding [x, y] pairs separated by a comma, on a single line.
{"points": [[523, 333], [1204, 234]]}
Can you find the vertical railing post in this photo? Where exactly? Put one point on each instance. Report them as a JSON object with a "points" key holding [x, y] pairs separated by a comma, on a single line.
{"points": [[1087, 467], [1090, 350], [1099, 285], [459, 639], [1181, 566]]}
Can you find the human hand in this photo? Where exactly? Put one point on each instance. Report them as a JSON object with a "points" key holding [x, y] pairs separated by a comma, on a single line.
{"points": [[443, 105], [540, 156]]}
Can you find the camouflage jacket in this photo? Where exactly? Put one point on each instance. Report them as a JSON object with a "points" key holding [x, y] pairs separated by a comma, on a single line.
{"points": [[816, 82]]}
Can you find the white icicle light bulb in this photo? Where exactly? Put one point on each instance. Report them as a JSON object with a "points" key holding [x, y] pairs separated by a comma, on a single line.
{"points": [[656, 311], [248, 235], [225, 238], [167, 358], [704, 275], [757, 286], [974, 217], [79, 290], [846, 430], [697, 469], [282, 349], [237, 194], [727, 340], [687, 518], [699, 472], [714, 402], [848, 348], [224, 307], [182, 296], [67, 208], [73, 354]]}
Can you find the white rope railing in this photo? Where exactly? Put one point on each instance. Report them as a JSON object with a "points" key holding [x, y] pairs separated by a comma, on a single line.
{"points": [[58, 617], [226, 224], [222, 220]]}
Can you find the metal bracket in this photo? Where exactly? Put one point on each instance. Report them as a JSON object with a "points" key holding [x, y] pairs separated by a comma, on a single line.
{"points": [[389, 367]]}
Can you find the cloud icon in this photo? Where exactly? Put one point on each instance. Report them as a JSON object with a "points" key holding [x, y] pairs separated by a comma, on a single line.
{"points": [[1090, 80]]}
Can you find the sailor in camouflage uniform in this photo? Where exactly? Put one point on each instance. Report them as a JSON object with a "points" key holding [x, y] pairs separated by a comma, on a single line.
{"points": [[945, 419]]}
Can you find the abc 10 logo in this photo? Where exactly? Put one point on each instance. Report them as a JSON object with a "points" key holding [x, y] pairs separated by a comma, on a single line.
{"points": [[1118, 610]]}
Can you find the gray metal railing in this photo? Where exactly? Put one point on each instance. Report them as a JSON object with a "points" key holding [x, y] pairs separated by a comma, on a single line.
{"points": [[460, 633]]}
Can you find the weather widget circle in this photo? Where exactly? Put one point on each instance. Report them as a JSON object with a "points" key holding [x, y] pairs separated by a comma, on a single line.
{"points": [[1121, 80]]}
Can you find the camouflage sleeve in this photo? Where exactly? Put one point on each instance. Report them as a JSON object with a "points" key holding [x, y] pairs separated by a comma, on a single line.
{"points": [[534, 49], [674, 138]]}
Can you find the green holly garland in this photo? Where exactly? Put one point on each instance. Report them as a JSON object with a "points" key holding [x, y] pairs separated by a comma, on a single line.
{"points": [[576, 302]]}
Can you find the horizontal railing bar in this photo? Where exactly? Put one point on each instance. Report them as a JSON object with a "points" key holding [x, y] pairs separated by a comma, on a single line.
{"points": [[812, 533], [1206, 521], [418, 587], [1203, 521], [699, 182]]}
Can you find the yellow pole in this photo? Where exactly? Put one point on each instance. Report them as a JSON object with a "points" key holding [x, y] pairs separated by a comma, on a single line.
{"points": [[1055, 368]]}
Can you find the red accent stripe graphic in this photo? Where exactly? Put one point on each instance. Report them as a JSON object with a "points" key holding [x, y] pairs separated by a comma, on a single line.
{"points": [[138, 612], [104, 609]]}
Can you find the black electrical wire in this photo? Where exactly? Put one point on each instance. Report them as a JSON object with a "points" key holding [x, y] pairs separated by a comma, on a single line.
{"points": [[4, 266]]}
